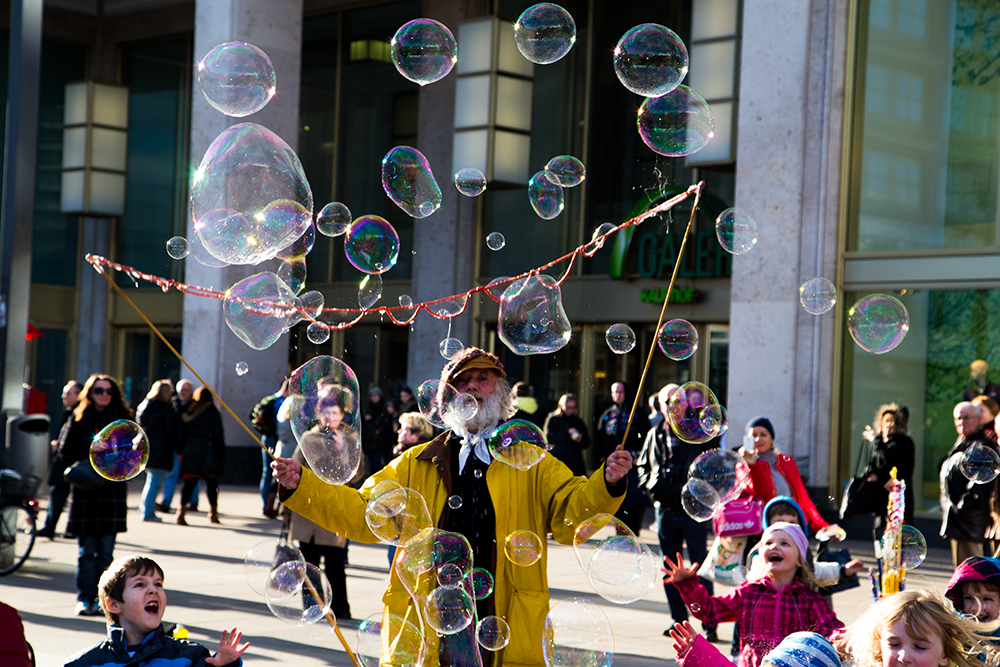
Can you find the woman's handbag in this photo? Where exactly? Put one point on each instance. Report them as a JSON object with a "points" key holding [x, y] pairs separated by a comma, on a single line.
{"points": [[83, 476], [862, 496], [723, 564], [740, 517]]}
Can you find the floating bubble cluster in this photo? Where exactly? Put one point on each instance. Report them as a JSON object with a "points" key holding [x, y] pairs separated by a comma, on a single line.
{"points": [[242, 368], [565, 170], [685, 410], [333, 219], [409, 182], [265, 557], [518, 443], [700, 500], [178, 247], [406, 648], [523, 548], [736, 231], [722, 469], [651, 60], [980, 464], [621, 567], [236, 78], [449, 610], [676, 124], [493, 633], [371, 244], [544, 33], [545, 196], [424, 51], [495, 241], [678, 339], [326, 418], [620, 338], [470, 182], [817, 296], [531, 318], [120, 451], [577, 634], [878, 323], [259, 309]]}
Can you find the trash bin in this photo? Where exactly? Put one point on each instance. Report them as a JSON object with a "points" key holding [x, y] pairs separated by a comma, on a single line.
{"points": [[28, 445]]}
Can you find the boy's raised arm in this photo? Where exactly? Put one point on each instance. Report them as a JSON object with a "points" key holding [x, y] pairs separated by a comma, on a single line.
{"points": [[230, 649]]}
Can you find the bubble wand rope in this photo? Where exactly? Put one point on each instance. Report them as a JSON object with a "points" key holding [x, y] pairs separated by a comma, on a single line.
{"points": [[184, 361], [663, 312]]}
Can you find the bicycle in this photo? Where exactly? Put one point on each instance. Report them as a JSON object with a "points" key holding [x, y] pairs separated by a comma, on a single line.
{"points": [[18, 511]]}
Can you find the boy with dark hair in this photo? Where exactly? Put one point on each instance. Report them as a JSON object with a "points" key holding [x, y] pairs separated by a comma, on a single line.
{"points": [[132, 597]]}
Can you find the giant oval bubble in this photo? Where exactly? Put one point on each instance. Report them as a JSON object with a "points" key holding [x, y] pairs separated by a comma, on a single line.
{"points": [[250, 197], [259, 308], [532, 319], [408, 180], [325, 416]]}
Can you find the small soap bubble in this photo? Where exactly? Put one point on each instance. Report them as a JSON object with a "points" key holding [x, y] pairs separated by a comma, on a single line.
{"points": [[495, 241], [878, 323], [531, 317], [651, 60], [242, 368], [523, 548], [371, 244], [312, 303], [676, 124], [406, 648], [913, 547], [736, 231], [493, 633], [178, 247], [699, 500], [409, 182], [477, 473], [369, 291], [598, 239], [620, 567], [565, 170], [470, 182], [424, 51], [292, 272], [980, 464], [449, 347], [236, 78], [263, 558], [518, 443], [544, 33], [715, 420], [545, 196], [465, 406], [480, 580], [685, 411], [304, 604], [577, 634], [620, 338], [317, 333], [454, 502], [678, 339], [120, 451], [437, 399], [449, 575], [817, 296], [449, 610], [333, 219], [405, 300], [695, 607]]}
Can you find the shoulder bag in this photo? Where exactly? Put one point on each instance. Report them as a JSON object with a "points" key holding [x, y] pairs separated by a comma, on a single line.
{"points": [[861, 496]]}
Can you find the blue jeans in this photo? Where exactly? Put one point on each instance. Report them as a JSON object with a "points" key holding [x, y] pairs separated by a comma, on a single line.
{"points": [[154, 481], [57, 501], [674, 530], [94, 557], [267, 480], [170, 482]]}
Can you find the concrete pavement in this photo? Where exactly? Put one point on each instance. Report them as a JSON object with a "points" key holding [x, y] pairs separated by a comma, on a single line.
{"points": [[207, 591]]}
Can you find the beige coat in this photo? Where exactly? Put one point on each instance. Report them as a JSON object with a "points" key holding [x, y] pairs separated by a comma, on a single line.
{"points": [[304, 530]]}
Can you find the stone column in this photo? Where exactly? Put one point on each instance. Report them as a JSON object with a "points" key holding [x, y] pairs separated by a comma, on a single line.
{"points": [[92, 307]]}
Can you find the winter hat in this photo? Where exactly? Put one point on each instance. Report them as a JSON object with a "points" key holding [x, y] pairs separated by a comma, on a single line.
{"points": [[468, 359], [790, 501], [975, 568], [804, 649], [764, 422], [793, 531]]}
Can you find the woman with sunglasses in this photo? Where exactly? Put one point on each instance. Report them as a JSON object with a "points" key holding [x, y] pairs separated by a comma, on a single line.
{"points": [[96, 516]]}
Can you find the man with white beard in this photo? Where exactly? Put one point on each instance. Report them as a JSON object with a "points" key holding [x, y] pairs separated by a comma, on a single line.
{"points": [[483, 499]]}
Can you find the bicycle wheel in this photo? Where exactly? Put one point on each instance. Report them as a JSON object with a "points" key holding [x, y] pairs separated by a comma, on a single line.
{"points": [[17, 536]]}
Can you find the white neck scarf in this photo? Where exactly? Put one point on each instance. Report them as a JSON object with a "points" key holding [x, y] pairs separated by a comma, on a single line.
{"points": [[474, 443]]}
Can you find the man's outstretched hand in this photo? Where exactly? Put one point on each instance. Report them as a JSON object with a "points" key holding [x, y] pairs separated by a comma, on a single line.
{"points": [[616, 467], [287, 472]]}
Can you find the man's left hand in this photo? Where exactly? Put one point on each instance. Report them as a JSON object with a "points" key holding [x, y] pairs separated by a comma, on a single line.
{"points": [[617, 466]]}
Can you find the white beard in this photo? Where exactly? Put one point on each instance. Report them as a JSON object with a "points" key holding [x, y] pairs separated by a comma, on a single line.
{"points": [[491, 411]]}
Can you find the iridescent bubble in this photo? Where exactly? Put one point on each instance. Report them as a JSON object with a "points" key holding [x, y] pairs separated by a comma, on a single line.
{"points": [[577, 634], [292, 272], [531, 317], [481, 583], [409, 182], [913, 547], [449, 575], [259, 309], [236, 78], [620, 338], [518, 443], [333, 219], [685, 409], [523, 548], [651, 60], [120, 451], [250, 197], [544, 33], [545, 196], [598, 238], [406, 648], [178, 247], [565, 170], [722, 469], [397, 514], [424, 51], [425, 555], [454, 502], [878, 323], [317, 333], [699, 500], [714, 419], [434, 399], [301, 247], [477, 473], [817, 296], [285, 580], [369, 291], [678, 339], [405, 300], [449, 610], [495, 241], [736, 231], [326, 418], [312, 304], [493, 633], [264, 557], [371, 244], [470, 182], [242, 368], [310, 601], [621, 568], [202, 256], [449, 347], [980, 464], [676, 124]]}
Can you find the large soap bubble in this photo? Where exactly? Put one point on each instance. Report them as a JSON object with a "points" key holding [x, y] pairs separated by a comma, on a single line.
{"points": [[371, 244], [544, 33], [685, 410], [325, 416], [678, 339], [546, 197], [518, 443], [264, 558], [449, 610], [532, 319], [409, 182], [120, 451], [878, 323], [260, 308], [723, 469], [651, 60], [621, 567], [396, 514], [577, 634], [424, 51], [565, 170], [250, 197], [736, 231], [979, 463], [676, 124], [523, 548], [304, 604], [386, 639], [817, 296], [236, 78]]}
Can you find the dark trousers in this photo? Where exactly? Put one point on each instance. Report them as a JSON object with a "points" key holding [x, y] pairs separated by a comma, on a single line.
{"points": [[57, 501], [674, 531], [93, 557], [211, 490], [333, 565]]}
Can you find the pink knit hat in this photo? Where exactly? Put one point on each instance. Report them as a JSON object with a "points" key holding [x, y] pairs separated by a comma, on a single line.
{"points": [[793, 531]]}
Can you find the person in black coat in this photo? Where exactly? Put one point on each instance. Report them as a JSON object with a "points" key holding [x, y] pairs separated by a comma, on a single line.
{"points": [[58, 486], [891, 448], [203, 452], [567, 435], [608, 434], [158, 419], [95, 516]]}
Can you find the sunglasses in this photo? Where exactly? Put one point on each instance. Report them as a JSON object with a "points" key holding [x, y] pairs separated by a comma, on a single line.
{"points": [[97, 391]]}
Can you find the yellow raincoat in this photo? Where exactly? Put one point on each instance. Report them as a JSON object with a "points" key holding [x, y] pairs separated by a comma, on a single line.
{"points": [[544, 499]]}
